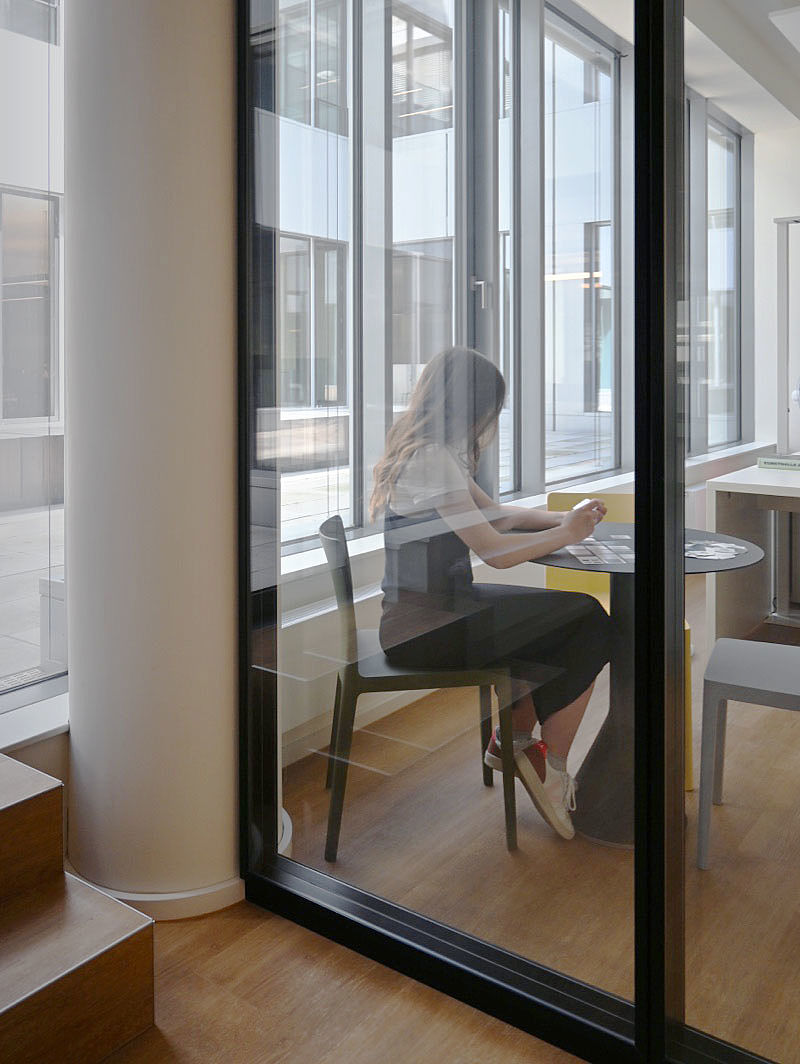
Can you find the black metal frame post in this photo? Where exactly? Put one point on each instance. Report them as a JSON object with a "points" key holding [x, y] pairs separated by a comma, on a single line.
{"points": [[244, 215], [659, 524]]}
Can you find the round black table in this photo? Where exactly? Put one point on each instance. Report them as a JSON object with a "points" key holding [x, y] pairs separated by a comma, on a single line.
{"points": [[605, 779]]}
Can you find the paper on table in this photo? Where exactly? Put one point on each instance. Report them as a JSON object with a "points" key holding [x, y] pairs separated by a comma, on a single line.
{"points": [[713, 550], [591, 551]]}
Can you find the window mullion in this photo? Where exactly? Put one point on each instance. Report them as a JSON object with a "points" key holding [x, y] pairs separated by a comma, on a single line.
{"points": [[698, 275], [529, 238]]}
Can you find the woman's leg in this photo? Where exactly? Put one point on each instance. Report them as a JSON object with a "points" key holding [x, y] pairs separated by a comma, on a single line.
{"points": [[565, 630], [559, 730], [523, 711]]}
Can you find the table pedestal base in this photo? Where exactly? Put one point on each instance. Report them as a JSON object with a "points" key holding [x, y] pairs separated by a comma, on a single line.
{"points": [[605, 795]]}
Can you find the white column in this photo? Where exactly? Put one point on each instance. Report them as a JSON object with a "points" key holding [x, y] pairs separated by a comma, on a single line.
{"points": [[151, 464]]}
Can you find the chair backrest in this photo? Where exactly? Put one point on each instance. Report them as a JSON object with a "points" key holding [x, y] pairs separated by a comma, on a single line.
{"points": [[334, 543]]}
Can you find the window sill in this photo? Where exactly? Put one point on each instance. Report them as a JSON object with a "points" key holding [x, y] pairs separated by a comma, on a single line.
{"points": [[703, 467], [34, 723]]}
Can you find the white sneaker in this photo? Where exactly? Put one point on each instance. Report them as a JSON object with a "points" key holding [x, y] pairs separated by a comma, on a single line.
{"points": [[554, 797]]}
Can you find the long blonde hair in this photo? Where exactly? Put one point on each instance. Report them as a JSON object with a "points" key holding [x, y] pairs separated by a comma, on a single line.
{"points": [[456, 403]]}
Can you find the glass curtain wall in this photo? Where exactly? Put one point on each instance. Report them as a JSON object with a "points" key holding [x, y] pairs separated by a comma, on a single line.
{"points": [[724, 241], [423, 155], [473, 721], [742, 868], [302, 252], [32, 606], [508, 347], [581, 153], [720, 293], [440, 249], [336, 206], [391, 290]]}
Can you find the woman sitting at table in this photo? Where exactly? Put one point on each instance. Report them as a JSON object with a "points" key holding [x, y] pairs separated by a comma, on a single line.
{"points": [[435, 615]]}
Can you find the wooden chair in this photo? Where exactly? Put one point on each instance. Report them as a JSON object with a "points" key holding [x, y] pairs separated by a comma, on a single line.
{"points": [[365, 668], [766, 674], [621, 508]]}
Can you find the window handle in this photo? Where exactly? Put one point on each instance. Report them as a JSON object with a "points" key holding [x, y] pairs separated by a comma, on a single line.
{"points": [[477, 285]]}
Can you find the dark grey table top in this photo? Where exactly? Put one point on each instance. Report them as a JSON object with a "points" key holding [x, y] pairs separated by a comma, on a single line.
{"points": [[613, 549]]}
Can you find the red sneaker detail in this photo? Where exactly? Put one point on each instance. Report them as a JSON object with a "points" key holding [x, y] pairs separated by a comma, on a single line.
{"points": [[492, 755], [537, 755]]}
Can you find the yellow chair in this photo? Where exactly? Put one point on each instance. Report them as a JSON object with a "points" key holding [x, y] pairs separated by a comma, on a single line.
{"points": [[620, 508]]}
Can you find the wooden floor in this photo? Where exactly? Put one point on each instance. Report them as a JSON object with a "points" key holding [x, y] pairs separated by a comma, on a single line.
{"points": [[420, 829], [246, 987]]}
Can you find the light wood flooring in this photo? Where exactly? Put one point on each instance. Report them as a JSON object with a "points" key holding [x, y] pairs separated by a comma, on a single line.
{"points": [[245, 987], [420, 829]]}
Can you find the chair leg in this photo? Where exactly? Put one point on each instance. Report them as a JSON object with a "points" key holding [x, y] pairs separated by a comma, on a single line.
{"points": [[334, 731], [507, 754], [719, 757], [486, 731], [708, 757], [344, 742]]}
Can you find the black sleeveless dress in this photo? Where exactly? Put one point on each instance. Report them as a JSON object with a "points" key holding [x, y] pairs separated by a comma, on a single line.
{"points": [[434, 615]]}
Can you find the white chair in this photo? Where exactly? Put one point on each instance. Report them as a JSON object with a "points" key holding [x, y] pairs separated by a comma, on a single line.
{"points": [[767, 674]]}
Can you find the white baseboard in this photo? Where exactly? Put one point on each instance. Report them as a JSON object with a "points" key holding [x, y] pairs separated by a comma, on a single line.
{"points": [[178, 904]]}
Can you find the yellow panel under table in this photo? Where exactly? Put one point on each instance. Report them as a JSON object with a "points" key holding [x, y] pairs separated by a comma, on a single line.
{"points": [[620, 509]]}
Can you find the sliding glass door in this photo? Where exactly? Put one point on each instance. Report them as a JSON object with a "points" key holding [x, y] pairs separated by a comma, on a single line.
{"points": [[742, 879], [462, 495]]}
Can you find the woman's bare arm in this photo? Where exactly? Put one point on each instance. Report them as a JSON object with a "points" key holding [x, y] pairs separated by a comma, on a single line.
{"points": [[505, 517], [502, 551]]}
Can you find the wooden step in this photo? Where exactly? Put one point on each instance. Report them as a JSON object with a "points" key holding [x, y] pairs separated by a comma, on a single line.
{"points": [[31, 831], [76, 975]]}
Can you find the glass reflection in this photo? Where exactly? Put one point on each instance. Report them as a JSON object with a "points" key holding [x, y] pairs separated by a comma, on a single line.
{"points": [[723, 285], [434, 616], [507, 273], [398, 229], [420, 638], [742, 842], [33, 629], [302, 179], [580, 154], [423, 170]]}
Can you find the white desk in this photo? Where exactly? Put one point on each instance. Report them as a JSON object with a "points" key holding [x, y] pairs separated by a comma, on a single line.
{"points": [[753, 504]]}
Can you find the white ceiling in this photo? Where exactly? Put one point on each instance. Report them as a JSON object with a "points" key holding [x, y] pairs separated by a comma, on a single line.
{"points": [[756, 14], [734, 55], [616, 14], [743, 31], [787, 22], [715, 76]]}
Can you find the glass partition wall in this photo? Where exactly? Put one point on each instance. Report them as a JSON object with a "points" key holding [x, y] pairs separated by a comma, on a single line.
{"points": [[473, 310], [33, 635], [742, 879]]}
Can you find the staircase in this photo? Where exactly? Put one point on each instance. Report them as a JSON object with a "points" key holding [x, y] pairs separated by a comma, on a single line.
{"points": [[76, 966]]}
